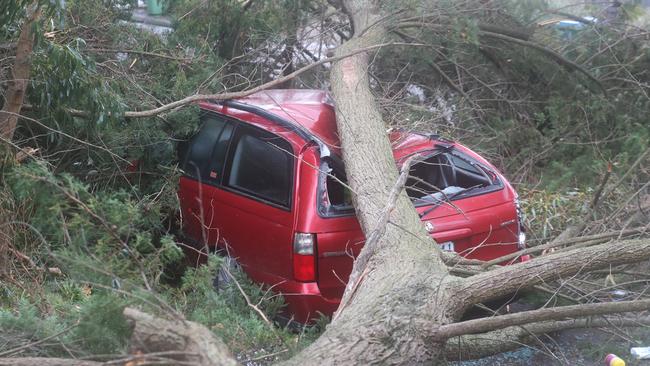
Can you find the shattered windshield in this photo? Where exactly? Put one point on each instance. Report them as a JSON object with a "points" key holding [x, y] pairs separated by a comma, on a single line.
{"points": [[443, 176]]}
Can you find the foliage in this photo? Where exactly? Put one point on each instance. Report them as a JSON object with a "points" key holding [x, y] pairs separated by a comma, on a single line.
{"points": [[227, 313], [68, 80], [100, 200], [84, 324], [228, 27], [542, 121], [546, 213]]}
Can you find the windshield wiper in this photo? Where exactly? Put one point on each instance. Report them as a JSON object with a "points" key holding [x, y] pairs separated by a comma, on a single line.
{"points": [[449, 198]]}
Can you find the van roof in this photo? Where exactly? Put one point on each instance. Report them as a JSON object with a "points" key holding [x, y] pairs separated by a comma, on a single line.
{"points": [[314, 111], [311, 109]]}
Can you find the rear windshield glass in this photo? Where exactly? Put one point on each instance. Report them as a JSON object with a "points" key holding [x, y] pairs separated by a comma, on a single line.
{"points": [[447, 175]]}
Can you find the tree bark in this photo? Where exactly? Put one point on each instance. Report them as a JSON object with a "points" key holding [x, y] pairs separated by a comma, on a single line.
{"points": [[17, 86], [509, 279], [152, 334]]}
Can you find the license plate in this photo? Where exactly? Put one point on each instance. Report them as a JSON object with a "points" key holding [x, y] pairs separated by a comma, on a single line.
{"points": [[447, 246]]}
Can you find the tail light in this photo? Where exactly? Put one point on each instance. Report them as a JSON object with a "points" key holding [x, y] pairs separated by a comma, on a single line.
{"points": [[304, 257]]}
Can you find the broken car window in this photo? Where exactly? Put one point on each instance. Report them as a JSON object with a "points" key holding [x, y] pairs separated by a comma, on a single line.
{"points": [[335, 198], [445, 175]]}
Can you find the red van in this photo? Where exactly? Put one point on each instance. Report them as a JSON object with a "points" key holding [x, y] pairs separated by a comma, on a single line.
{"points": [[262, 182]]}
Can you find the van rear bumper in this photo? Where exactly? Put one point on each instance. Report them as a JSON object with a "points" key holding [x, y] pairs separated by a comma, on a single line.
{"points": [[305, 303]]}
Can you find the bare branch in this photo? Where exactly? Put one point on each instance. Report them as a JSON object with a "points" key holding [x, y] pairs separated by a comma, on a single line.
{"points": [[475, 346], [557, 313], [241, 94], [582, 241], [143, 53], [46, 361]]}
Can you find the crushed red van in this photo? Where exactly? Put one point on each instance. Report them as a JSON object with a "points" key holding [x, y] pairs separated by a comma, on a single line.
{"points": [[262, 182]]}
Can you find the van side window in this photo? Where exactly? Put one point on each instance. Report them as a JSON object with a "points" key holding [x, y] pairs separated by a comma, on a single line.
{"points": [[337, 191], [334, 196], [205, 157], [218, 159], [261, 164]]}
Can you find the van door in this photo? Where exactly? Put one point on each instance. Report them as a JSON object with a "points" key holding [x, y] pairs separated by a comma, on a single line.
{"points": [[255, 203], [202, 163]]}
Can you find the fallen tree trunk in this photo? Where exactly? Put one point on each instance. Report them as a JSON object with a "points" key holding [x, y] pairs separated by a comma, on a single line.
{"points": [[198, 344]]}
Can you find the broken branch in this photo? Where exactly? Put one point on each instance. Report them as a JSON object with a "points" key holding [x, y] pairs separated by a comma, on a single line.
{"points": [[557, 313]]}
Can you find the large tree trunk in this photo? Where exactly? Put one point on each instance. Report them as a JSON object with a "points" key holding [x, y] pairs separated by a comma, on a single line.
{"points": [[17, 86], [399, 273]]}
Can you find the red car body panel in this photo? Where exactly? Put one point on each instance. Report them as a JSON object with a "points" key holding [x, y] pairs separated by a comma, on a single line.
{"points": [[260, 235]]}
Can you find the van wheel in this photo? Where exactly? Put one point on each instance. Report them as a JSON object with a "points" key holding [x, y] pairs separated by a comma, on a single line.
{"points": [[223, 280]]}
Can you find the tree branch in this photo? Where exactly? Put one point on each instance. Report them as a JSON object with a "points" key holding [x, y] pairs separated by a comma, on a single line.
{"points": [[508, 279], [582, 241], [533, 316], [270, 84], [144, 53], [475, 346], [8, 46], [46, 361]]}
